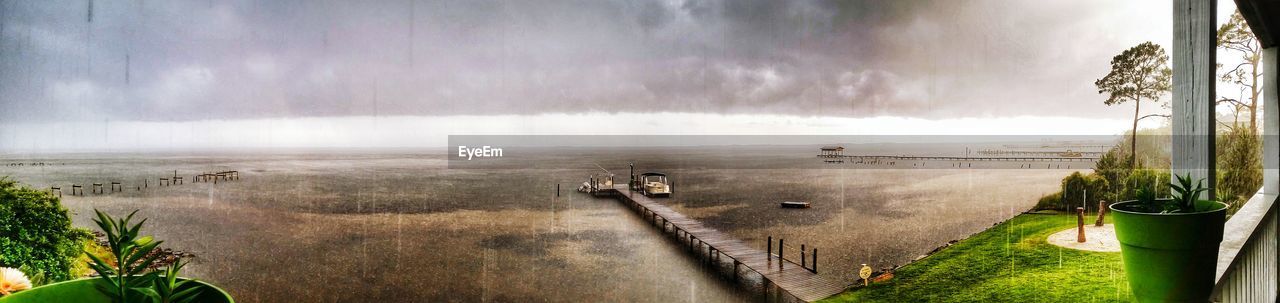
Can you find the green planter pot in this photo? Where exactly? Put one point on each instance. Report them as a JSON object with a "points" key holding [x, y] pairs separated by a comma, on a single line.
{"points": [[1170, 257], [86, 291]]}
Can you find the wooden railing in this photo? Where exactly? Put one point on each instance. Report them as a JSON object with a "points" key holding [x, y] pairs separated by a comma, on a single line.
{"points": [[1247, 264], [1248, 268]]}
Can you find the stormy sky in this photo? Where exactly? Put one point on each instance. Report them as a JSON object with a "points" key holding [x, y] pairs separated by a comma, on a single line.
{"points": [[330, 70], [196, 60]]}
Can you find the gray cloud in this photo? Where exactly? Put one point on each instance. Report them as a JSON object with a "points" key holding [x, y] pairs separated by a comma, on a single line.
{"points": [[189, 60]]}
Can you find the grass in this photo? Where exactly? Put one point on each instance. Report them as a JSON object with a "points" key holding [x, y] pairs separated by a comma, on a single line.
{"points": [[1010, 262]]}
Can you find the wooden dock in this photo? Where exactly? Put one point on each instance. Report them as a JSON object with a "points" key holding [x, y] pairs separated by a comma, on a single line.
{"points": [[1058, 153], [944, 158], [713, 247]]}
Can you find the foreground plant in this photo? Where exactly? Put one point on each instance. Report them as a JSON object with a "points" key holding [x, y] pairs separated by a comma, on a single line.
{"points": [[126, 273], [13, 280], [1170, 246], [1185, 197], [169, 289]]}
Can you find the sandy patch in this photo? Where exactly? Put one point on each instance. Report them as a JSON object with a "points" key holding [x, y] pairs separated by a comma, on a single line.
{"points": [[1097, 238]]}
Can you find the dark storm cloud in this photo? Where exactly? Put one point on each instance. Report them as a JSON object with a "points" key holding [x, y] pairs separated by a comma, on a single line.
{"points": [[185, 60]]}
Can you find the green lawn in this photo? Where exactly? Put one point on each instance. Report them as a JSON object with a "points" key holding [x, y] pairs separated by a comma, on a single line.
{"points": [[1010, 262]]}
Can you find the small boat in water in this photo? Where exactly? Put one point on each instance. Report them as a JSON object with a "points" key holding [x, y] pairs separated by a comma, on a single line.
{"points": [[793, 204]]}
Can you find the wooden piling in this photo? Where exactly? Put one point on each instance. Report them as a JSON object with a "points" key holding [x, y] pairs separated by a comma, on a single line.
{"points": [[781, 245], [1102, 212], [769, 252], [813, 266], [735, 269], [802, 257], [1080, 224]]}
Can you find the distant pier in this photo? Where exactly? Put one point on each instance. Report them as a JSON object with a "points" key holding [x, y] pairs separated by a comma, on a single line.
{"points": [[975, 159]]}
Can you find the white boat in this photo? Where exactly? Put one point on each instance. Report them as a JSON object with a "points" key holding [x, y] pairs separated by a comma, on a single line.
{"points": [[795, 204], [655, 185]]}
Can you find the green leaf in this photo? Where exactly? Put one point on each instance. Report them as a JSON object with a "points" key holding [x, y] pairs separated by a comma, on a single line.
{"points": [[189, 297], [146, 263], [109, 291], [150, 293], [187, 294], [141, 252]]}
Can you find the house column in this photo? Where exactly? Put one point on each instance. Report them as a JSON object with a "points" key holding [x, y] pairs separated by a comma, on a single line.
{"points": [[1194, 50], [1270, 120], [1271, 138]]}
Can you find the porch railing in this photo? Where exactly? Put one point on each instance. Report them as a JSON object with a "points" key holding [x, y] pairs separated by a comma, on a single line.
{"points": [[1247, 264]]}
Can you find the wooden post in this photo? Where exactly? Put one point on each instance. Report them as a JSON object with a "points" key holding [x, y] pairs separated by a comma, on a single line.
{"points": [[781, 259], [1194, 66], [802, 257], [769, 253], [1080, 224], [735, 269], [814, 265], [557, 189], [1102, 212]]}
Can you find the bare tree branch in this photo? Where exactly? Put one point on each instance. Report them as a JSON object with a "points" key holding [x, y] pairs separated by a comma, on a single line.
{"points": [[1154, 115], [1232, 101]]}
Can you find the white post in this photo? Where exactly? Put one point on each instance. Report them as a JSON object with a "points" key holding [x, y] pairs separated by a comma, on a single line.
{"points": [[1194, 50], [1271, 120], [1271, 135]]}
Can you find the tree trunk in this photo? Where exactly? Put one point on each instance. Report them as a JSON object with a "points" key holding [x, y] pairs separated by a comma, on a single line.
{"points": [[1253, 98], [1133, 137]]}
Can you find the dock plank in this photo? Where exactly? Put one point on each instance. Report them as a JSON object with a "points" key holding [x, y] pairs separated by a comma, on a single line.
{"points": [[791, 278]]}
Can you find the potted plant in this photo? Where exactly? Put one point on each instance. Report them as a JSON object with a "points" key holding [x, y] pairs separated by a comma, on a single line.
{"points": [[1170, 246], [126, 275]]}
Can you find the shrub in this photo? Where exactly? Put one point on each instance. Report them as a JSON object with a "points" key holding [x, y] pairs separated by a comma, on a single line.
{"points": [[1050, 201], [1114, 167], [1146, 179], [1240, 167], [1077, 188], [36, 233]]}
